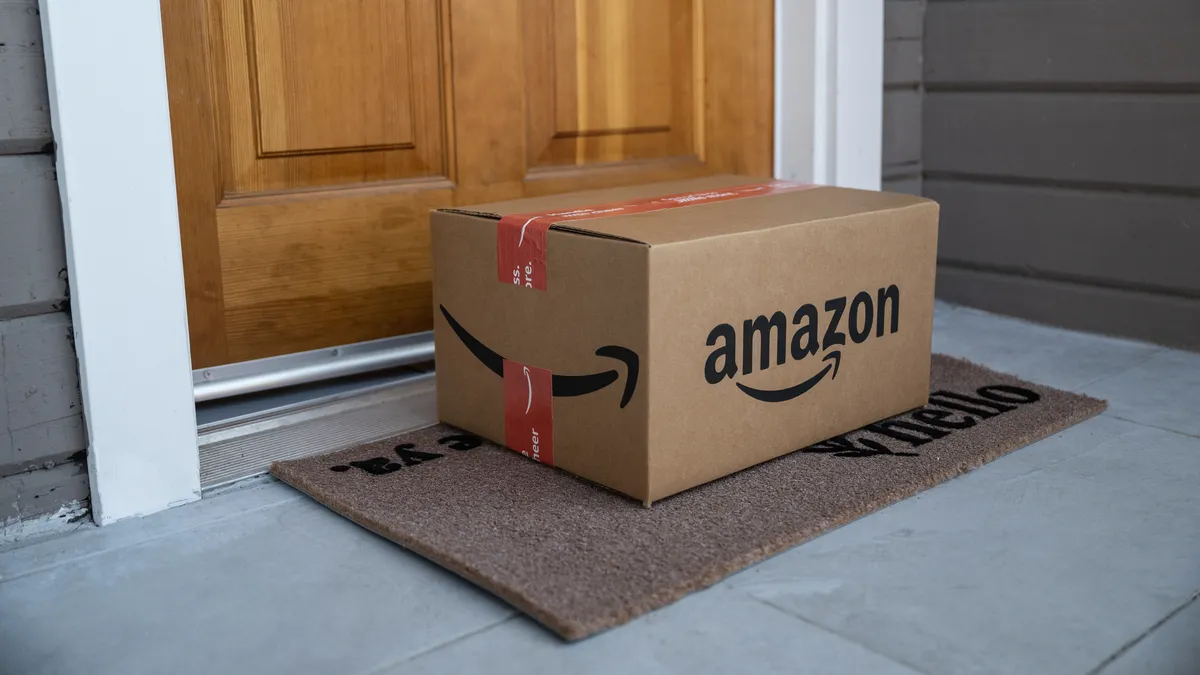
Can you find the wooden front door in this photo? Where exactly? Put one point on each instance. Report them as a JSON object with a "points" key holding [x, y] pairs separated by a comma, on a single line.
{"points": [[312, 137]]}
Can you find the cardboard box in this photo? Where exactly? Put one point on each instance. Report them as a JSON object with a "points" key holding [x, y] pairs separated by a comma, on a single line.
{"points": [[653, 344]]}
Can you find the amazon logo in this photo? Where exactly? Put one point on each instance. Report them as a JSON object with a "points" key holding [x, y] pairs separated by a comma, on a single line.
{"points": [[561, 385], [856, 319]]}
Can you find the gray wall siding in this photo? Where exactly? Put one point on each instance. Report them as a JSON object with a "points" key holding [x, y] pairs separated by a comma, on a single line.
{"points": [[42, 436], [24, 105], [35, 493], [1062, 139], [902, 95], [32, 259]]}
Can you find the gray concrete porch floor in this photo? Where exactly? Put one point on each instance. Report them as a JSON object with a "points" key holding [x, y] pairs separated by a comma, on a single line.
{"points": [[1079, 554]]}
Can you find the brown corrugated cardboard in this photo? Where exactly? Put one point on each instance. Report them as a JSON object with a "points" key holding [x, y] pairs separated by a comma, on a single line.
{"points": [[684, 344]]}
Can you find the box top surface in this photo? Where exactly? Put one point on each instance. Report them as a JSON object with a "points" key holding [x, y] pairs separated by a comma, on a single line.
{"points": [[689, 221]]}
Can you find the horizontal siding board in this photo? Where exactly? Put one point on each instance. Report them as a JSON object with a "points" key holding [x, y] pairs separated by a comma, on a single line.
{"points": [[1129, 239], [1099, 41], [8, 455], [903, 19], [32, 256], [1160, 319], [40, 372], [902, 63], [902, 171], [28, 495], [901, 127], [910, 185], [39, 391], [55, 441], [1130, 139], [24, 100]]}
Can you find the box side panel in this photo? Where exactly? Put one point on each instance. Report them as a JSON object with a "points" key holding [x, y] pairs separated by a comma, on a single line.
{"points": [[589, 328], [823, 299]]}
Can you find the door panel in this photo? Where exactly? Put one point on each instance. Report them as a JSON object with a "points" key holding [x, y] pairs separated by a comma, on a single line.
{"points": [[316, 270], [608, 80], [316, 96], [312, 138], [329, 93]]}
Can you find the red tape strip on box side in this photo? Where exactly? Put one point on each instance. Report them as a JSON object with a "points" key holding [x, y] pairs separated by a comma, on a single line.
{"points": [[521, 237], [528, 411]]}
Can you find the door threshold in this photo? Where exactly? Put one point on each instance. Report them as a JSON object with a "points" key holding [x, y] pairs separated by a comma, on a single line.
{"points": [[243, 445]]}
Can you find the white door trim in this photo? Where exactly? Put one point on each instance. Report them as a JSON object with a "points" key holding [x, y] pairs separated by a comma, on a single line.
{"points": [[116, 177], [111, 120], [829, 92]]}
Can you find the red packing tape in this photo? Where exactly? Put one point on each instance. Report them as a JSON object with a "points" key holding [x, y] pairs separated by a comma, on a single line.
{"points": [[528, 411], [521, 237]]}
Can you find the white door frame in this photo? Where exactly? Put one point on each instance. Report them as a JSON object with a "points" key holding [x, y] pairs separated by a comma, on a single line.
{"points": [[111, 121], [829, 92]]}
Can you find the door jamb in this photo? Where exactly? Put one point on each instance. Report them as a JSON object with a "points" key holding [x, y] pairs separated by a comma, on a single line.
{"points": [[116, 171], [106, 76], [829, 92]]}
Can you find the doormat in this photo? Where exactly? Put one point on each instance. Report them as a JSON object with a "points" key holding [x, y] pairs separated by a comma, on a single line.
{"points": [[580, 559]]}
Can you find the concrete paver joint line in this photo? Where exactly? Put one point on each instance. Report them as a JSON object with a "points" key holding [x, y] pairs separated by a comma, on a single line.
{"points": [[1151, 426], [446, 644], [894, 658], [1111, 658]]}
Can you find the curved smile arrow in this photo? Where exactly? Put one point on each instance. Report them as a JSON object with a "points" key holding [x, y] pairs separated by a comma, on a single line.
{"points": [[780, 395], [562, 385]]}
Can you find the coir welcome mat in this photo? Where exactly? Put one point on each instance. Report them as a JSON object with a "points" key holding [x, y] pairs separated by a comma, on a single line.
{"points": [[580, 559]]}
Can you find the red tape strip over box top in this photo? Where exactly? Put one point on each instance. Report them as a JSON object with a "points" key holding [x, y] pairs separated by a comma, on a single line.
{"points": [[521, 237]]}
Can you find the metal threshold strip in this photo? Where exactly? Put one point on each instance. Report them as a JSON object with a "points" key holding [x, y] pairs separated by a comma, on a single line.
{"points": [[256, 412], [277, 372], [235, 449]]}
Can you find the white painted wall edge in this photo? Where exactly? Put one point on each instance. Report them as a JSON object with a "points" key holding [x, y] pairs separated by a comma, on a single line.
{"points": [[829, 92], [116, 174]]}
